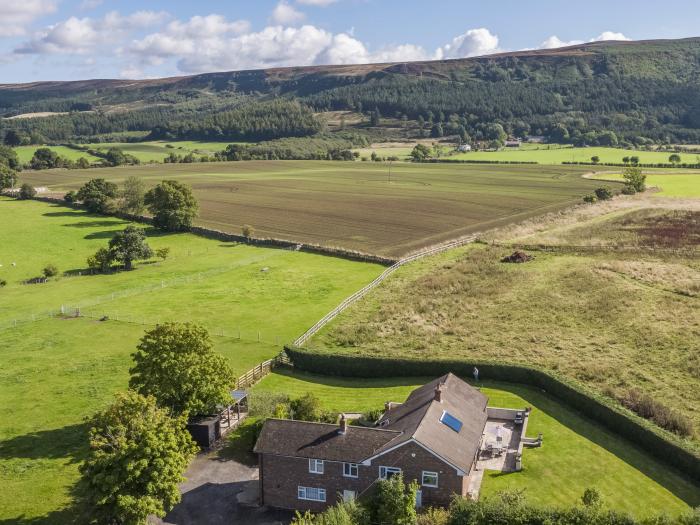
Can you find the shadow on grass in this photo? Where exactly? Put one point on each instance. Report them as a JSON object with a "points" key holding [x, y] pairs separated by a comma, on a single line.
{"points": [[66, 442], [625, 450], [97, 224], [359, 383], [239, 443]]}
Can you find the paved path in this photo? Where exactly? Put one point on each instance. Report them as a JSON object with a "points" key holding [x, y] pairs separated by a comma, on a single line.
{"points": [[221, 492]]}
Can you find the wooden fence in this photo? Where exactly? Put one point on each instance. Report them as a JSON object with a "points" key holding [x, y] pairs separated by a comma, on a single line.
{"points": [[255, 374], [362, 292]]}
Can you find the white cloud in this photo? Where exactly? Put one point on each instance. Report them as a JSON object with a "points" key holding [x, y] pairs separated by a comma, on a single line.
{"points": [[609, 35], [17, 14], [475, 42], [82, 35], [285, 15], [318, 3], [554, 41]]}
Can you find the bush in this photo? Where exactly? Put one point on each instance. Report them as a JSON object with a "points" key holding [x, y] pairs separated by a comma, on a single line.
{"points": [[433, 516], [247, 231], [50, 270], [163, 253], [628, 190], [97, 195], [70, 197], [603, 194], [306, 408], [590, 199], [3, 282], [27, 192], [101, 261], [648, 408]]}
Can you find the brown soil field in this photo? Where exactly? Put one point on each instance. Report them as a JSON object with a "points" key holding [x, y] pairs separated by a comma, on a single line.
{"points": [[352, 204]]}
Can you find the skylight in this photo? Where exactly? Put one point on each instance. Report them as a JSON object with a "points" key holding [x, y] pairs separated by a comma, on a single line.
{"points": [[451, 421]]}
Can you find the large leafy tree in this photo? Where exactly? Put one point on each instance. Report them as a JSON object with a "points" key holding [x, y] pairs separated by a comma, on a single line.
{"points": [[130, 245], [172, 205], [175, 363], [8, 177], [132, 195], [8, 157], [45, 158], [97, 195], [138, 454]]}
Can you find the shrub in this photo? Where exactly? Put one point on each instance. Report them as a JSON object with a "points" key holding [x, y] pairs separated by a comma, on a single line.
{"points": [[3, 282], [628, 190], [27, 192], [97, 195], [648, 408], [603, 194], [163, 253], [50, 270], [70, 197], [393, 502], [634, 178], [306, 408], [590, 199], [433, 516], [266, 404], [101, 261], [247, 231]]}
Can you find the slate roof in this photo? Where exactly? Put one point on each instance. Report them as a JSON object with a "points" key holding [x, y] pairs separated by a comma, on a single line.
{"points": [[418, 418], [285, 437]]}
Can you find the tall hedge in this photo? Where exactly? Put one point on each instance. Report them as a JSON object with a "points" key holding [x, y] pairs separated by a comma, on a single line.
{"points": [[663, 445]]}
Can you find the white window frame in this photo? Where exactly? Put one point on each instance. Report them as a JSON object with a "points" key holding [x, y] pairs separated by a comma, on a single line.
{"points": [[383, 471], [349, 495], [431, 474], [316, 466], [348, 469], [303, 494]]}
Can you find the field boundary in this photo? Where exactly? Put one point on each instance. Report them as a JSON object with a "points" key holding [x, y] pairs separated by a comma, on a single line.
{"points": [[569, 248], [299, 341], [267, 242], [657, 442]]}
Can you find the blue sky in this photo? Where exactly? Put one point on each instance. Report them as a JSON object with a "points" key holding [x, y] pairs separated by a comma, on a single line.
{"points": [[77, 39]]}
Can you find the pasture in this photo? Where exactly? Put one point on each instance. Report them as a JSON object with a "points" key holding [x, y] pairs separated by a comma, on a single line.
{"points": [[56, 371], [668, 183], [577, 452], [615, 321], [354, 204], [556, 154], [25, 153], [157, 150]]}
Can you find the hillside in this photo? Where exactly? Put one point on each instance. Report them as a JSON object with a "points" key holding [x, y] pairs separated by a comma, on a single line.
{"points": [[647, 89]]}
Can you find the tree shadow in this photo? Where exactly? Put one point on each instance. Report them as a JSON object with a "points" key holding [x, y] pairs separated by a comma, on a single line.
{"points": [[60, 443], [96, 224], [76, 513], [107, 234]]}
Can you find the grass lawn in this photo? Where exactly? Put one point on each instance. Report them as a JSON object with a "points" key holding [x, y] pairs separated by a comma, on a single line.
{"points": [[577, 452], [670, 184], [555, 154], [25, 153], [57, 371], [353, 204]]}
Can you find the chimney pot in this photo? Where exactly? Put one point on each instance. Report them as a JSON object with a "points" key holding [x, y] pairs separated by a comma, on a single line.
{"points": [[438, 393], [343, 425]]}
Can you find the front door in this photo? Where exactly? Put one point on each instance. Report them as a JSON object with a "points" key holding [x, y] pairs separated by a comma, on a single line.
{"points": [[419, 499]]}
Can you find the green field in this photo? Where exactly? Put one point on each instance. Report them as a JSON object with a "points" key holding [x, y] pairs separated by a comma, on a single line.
{"points": [[555, 154], [57, 371], [25, 153], [670, 184], [354, 204], [577, 453], [157, 150]]}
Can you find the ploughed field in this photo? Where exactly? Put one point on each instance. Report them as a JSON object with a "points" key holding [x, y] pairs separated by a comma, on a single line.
{"points": [[58, 370], [355, 205]]}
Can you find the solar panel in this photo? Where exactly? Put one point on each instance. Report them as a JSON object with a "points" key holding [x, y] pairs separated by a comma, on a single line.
{"points": [[451, 421]]}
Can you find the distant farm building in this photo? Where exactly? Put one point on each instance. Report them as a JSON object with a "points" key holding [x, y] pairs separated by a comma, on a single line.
{"points": [[536, 139], [464, 148], [513, 143]]}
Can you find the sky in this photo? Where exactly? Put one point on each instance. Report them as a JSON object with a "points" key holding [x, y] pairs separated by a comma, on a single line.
{"points": [[133, 39]]}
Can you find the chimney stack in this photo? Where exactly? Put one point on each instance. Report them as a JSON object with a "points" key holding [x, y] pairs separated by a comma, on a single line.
{"points": [[343, 425], [438, 393]]}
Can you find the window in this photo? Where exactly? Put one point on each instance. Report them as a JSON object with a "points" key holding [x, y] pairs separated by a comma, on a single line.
{"points": [[451, 421], [349, 495], [350, 470], [311, 493], [429, 479], [387, 472], [316, 466]]}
